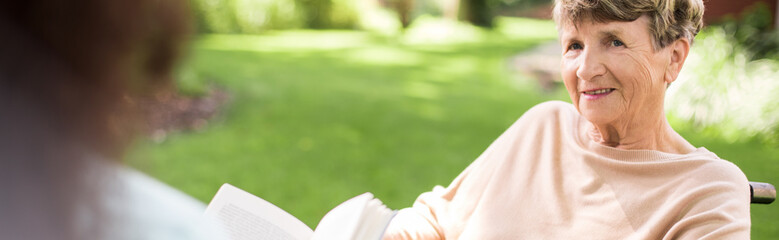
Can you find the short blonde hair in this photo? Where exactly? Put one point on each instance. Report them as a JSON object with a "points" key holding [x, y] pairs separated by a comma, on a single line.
{"points": [[669, 20]]}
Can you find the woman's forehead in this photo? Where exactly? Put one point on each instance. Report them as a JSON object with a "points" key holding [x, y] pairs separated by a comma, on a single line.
{"points": [[589, 28]]}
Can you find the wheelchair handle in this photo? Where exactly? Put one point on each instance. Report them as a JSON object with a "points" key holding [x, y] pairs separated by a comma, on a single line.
{"points": [[762, 193]]}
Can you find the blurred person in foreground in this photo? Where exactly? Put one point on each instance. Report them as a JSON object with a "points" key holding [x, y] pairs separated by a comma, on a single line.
{"points": [[608, 166], [70, 72]]}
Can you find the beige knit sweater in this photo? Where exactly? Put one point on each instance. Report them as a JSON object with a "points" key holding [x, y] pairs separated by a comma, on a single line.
{"points": [[540, 180]]}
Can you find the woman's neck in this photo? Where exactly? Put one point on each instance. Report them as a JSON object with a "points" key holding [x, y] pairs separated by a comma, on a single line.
{"points": [[634, 134]]}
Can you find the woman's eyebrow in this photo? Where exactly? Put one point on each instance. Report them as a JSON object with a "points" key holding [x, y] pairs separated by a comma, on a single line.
{"points": [[612, 33], [567, 39], [564, 38]]}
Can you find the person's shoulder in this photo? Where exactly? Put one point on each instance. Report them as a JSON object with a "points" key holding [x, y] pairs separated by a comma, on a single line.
{"points": [[546, 117], [549, 112], [141, 186], [716, 192], [159, 210], [716, 166], [548, 108], [712, 170]]}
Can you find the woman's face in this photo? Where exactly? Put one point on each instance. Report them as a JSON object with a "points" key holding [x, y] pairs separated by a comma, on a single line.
{"points": [[612, 71]]}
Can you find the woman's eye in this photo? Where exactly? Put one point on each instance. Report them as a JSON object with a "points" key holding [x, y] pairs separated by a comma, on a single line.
{"points": [[575, 46], [617, 43]]}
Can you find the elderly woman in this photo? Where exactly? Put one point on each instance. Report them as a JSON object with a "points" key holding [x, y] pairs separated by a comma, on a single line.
{"points": [[608, 166]]}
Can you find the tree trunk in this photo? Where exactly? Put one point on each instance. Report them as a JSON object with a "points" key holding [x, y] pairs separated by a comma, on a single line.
{"points": [[317, 13], [451, 9], [403, 8], [477, 12]]}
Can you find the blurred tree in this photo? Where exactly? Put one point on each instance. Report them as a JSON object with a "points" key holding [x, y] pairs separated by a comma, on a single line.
{"points": [[215, 16], [451, 9], [256, 16], [523, 8], [316, 12], [477, 12], [403, 9], [754, 31]]}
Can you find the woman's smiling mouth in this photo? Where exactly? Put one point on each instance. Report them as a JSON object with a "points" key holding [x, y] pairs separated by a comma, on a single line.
{"points": [[597, 93]]}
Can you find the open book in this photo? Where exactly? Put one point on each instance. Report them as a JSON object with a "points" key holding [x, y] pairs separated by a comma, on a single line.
{"points": [[244, 216]]}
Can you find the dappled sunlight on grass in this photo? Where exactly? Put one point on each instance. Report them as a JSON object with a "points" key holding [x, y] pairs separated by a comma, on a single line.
{"points": [[448, 68], [384, 56], [423, 90], [327, 115]]}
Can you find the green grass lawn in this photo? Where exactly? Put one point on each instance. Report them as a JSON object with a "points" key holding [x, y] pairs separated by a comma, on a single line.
{"points": [[318, 117]]}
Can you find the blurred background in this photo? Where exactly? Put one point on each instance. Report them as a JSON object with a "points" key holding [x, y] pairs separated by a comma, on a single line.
{"points": [[307, 103]]}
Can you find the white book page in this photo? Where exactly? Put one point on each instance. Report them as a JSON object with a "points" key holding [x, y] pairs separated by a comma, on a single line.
{"points": [[342, 221], [244, 216], [374, 221], [360, 218]]}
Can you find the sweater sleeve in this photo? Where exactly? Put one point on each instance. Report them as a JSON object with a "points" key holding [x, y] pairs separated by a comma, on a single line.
{"points": [[433, 211], [718, 208], [417, 222], [443, 212]]}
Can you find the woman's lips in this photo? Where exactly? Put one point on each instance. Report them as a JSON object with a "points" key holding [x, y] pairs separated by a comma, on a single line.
{"points": [[597, 93]]}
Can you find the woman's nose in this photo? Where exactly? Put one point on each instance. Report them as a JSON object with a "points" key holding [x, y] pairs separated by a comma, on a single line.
{"points": [[590, 66]]}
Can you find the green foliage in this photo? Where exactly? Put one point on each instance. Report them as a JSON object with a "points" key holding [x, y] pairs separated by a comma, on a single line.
{"points": [[731, 78], [522, 7], [754, 32], [518, 4], [520, 28], [329, 14], [433, 30], [478, 12], [429, 30], [256, 16], [343, 14], [246, 16], [317, 13], [721, 89], [215, 16], [379, 20], [483, 12]]}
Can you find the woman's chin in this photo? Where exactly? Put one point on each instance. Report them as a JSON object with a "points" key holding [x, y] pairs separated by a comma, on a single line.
{"points": [[598, 116]]}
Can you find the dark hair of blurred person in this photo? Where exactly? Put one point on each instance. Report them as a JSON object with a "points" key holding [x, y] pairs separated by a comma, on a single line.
{"points": [[69, 74]]}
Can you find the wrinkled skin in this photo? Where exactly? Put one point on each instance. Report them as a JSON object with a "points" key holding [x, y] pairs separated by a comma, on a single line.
{"points": [[620, 60]]}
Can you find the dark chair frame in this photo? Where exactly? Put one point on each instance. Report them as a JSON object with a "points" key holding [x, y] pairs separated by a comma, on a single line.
{"points": [[762, 193]]}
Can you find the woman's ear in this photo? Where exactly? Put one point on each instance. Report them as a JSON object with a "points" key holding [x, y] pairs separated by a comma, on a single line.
{"points": [[679, 51]]}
